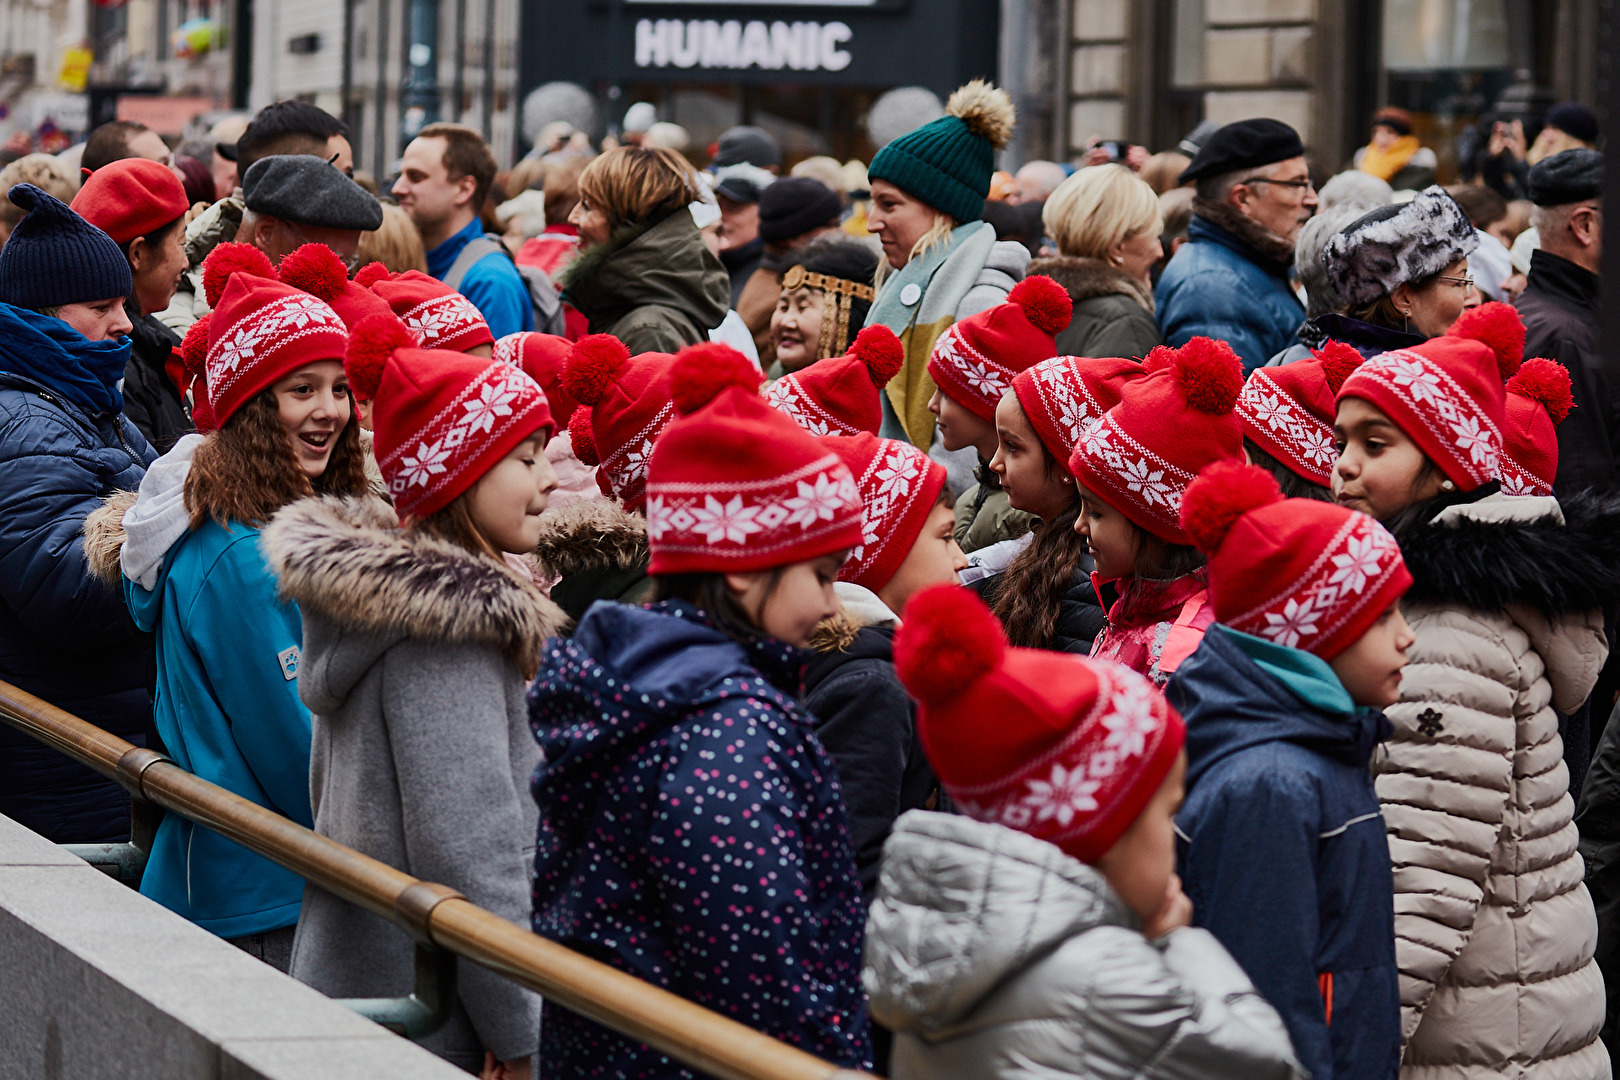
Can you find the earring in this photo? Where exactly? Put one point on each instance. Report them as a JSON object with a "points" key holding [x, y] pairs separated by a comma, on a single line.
{"points": [[1447, 485]]}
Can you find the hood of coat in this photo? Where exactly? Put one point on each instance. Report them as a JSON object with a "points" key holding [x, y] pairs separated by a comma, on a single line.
{"points": [[963, 905], [858, 609], [1086, 278], [664, 263], [362, 585], [104, 538], [589, 536]]}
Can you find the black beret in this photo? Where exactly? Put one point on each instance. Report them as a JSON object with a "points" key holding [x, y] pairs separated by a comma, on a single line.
{"points": [[795, 205], [1569, 177], [753, 145], [309, 191], [1573, 118], [1247, 144]]}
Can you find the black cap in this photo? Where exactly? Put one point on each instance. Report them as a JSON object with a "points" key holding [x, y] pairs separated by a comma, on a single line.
{"points": [[309, 191], [1570, 177], [226, 150], [1247, 144], [753, 145], [795, 205], [1574, 119]]}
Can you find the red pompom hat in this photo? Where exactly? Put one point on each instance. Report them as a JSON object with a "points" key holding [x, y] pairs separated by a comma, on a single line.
{"points": [[130, 198], [624, 404], [734, 485], [1168, 425], [260, 329], [442, 420], [194, 358], [1301, 573], [1063, 396], [899, 487], [1288, 411], [1447, 395], [1538, 400], [543, 357], [317, 270], [975, 360], [427, 306], [840, 395], [1077, 749]]}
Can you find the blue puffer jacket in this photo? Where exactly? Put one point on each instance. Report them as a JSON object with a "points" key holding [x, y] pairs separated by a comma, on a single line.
{"points": [[693, 834], [1282, 846], [1217, 286]]}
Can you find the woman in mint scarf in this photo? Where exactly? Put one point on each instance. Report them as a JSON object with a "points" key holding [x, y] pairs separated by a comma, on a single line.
{"points": [[64, 446]]}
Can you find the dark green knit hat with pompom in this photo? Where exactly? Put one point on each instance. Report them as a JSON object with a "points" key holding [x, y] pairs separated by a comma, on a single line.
{"points": [[947, 162]]}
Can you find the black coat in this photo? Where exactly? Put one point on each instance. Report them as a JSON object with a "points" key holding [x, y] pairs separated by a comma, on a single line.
{"points": [[1560, 312], [1080, 616], [151, 401]]}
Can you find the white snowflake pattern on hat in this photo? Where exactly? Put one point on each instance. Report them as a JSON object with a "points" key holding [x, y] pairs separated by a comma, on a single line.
{"points": [[1297, 620], [495, 399], [820, 500], [1415, 377], [1062, 795], [428, 462], [726, 522]]}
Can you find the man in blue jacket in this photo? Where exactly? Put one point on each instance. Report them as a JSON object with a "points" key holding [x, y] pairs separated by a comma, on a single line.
{"points": [[1230, 280], [64, 446]]}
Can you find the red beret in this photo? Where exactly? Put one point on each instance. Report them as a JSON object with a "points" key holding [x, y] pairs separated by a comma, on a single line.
{"points": [[131, 198]]}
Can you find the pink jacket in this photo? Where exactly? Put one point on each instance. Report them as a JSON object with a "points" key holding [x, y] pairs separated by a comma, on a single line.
{"points": [[1154, 625]]}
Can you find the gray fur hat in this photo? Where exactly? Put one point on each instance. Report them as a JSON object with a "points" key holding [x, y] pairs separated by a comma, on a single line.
{"points": [[1396, 244]]}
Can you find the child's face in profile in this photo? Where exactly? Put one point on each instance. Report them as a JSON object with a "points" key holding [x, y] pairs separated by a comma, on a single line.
{"points": [[788, 605], [1370, 668], [1110, 535], [1380, 471], [1141, 866]]}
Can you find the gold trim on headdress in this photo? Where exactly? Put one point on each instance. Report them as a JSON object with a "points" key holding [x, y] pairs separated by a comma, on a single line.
{"points": [[835, 330]]}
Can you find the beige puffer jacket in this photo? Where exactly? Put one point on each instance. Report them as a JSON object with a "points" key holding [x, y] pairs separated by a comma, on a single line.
{"points": [[1494, 929]]}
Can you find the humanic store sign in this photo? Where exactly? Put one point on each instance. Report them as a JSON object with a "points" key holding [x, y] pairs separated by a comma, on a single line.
{"points": [[775, 46]]}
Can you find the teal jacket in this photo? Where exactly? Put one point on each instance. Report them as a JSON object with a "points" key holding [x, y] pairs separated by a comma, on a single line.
{"points": [[227, 708]]}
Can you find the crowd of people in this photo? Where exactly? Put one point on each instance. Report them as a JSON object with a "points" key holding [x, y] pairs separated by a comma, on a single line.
{"points": [[1146, 618]]}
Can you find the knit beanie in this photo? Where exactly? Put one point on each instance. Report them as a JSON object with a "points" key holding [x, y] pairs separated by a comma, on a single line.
{"points": [[733, 485], [624, 403], [841, 395], [131, 198], [1077, 749], [543, 358], [975, 360], [55, 257], [1140, 457], [1301, 573], [1538, 400], [1063, 396], [443, 317], [1288, 411], [899, 487], [261, 329], [1446, 394], [442, 419], [317, 270], [947, 162]]}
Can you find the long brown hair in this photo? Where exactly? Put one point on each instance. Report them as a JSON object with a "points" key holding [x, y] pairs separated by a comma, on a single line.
{"points": [[1030, 596], [454, 524], [247, 470]]}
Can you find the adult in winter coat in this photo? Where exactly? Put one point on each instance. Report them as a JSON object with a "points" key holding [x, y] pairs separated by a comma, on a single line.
{"points": [[64, 446], [1598, 820], [644, 275]]}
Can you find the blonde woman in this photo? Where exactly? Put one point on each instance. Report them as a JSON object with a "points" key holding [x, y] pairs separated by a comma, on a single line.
{"points": [[1106, 224], [397, 244]]}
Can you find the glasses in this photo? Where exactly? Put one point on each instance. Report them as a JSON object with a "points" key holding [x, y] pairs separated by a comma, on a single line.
{"points": [[1303, 184], [1464, 282]]}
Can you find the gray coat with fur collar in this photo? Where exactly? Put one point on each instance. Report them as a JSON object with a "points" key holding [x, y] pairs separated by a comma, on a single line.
{"points": [[414, 665]]}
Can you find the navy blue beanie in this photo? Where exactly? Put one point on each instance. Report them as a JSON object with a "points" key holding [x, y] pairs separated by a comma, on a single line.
{"points": [[56, 257]]}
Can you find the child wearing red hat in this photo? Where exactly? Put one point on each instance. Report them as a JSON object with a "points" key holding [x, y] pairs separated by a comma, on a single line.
{"points": [[1491, 915], [1043, 930], [685, 805], [1538, 400], [840, 395], [420, 641], [441, 317], [1287, 415], [1281, 704], [543, 357]]}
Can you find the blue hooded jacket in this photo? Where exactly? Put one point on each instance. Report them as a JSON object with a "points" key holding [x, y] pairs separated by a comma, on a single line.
{"points": [[1215, 286], [1282, 846], [692, 833]]}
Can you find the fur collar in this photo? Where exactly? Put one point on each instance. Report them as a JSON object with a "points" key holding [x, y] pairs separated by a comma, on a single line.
{"points": [[104, 538], [1269, 249], [346, 560], [592, 534], [1085, 278]]}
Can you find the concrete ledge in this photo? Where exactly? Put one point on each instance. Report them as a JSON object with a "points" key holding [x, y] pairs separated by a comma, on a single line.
{"points": [[98, 981]]}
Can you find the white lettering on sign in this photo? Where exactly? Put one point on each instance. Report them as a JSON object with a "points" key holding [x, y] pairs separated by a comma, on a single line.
{"points": [[708, 43]]}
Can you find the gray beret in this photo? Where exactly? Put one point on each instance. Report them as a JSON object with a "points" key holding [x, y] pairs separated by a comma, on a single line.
{"points": [[1396, 244], [1570, 177], [309, 191]]}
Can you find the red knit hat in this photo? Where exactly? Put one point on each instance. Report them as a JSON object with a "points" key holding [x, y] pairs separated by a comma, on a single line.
{"points": [[131, 198], [443, 317], [1064, 395], [1168, 425], [194, 358], [261, 329], [733, 485], [1302, 573], [543, 358], [975, 359], [1538, 400], [1288, 411], [317, 270], [442, 419], [1446, 394], [1077, 749], [899, 487], [840, 395], [625, 403]]}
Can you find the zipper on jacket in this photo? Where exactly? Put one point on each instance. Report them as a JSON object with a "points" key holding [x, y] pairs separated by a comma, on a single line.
{"points": [[1324, 983]]}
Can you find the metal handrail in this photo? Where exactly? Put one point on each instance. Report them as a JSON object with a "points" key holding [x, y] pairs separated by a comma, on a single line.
{"points": [[433, 914]]}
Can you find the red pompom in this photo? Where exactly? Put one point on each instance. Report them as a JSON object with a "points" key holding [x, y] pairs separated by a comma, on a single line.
{"points": [[1338, 361], [1160, 356], [701, 372], [881, 352], [228, 259], [316, 269], [1210, 375], [582, 436], [371, 273], [1222, 493], [947, 641], [1047, 305], [194, 349], [1547, 382], [371, 343], [1498, 326], [591, 366], [202, 412]]}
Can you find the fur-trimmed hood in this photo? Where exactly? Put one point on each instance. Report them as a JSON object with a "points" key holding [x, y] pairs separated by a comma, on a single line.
{"points": [[104, 538], [1086, 278], [591, 535]]}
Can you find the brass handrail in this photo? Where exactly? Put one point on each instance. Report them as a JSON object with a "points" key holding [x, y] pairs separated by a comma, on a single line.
{"points": [[431, 913]]}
